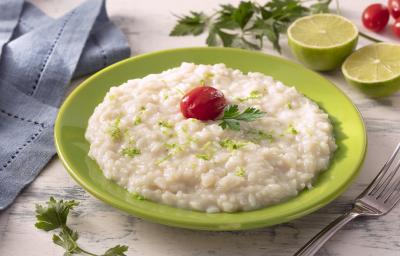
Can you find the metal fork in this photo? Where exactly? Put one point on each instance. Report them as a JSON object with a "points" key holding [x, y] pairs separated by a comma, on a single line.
{"points": [[376, 200]]}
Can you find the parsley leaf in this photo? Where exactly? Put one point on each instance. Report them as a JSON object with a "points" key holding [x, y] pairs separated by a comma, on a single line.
{"points": [[193, 24], [243, 13], [67, 240], [118, 250], [248, 24], [54, 216], [232, 116]]}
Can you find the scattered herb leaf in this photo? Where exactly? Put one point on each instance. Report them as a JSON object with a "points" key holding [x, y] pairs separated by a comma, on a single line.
{"points": [[192, 24], [248, 24], [117, 250], [289, 105], [54, 216]]}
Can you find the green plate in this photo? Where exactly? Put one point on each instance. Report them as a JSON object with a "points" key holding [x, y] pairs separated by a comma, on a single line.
{"points": [[349, 129]]}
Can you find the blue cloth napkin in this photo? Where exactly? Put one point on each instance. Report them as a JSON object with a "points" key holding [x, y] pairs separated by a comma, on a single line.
{"points": [[38, 58]]}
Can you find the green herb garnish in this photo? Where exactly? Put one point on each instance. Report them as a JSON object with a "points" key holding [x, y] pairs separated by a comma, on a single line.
{"points": [[232, 116], [289, 105], [232, 145], [240, 172], [248, 24], [130, 152], [54, 216]]}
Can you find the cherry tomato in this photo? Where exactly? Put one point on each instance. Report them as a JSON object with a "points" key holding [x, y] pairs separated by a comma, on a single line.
{"points": [[396, 27], [394, 8], [375, 17], [203, 103]]}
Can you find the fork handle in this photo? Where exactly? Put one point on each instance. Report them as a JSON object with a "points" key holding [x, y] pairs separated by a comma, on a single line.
{"points": [[320, 239]]}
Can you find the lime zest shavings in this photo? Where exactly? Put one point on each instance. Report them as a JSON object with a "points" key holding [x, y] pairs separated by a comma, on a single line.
{"points": [[115, 130], [253, 95], [130, 152], [240, 172], [292, 130], [232, 145]]}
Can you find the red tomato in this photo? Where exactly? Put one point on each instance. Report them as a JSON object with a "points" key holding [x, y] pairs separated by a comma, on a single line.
{"points": [[394, 8], [396, 27], [203, 103], [375, 17]]}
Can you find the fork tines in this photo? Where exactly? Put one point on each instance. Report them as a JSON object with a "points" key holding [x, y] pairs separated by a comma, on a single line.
{"points": [[386, 185]]}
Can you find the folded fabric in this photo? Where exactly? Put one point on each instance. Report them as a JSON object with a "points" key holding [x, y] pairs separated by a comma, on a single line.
{"points": [[38, 58]]}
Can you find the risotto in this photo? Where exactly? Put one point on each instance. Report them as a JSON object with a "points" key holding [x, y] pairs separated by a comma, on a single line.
{"points": [[140, 139]]}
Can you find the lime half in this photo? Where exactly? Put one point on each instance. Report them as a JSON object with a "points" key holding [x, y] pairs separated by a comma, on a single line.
{"points": [[322, 41], [375, 69]]}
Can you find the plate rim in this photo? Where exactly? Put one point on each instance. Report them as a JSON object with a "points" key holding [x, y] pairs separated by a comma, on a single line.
{"points": [[201, 225]]}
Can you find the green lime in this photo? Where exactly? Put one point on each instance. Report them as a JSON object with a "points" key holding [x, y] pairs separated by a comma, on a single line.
{"points": [[375, 69], [322, 41]]}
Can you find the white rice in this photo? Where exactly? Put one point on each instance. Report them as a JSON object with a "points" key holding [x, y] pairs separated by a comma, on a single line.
{"points": [[181, 161]]}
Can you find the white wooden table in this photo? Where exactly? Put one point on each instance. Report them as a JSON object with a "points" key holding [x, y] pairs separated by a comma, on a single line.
{"points": [[147, 24]]}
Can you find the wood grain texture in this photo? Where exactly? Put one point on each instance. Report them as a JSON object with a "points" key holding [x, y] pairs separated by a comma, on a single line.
{"points": [[147, 24]]}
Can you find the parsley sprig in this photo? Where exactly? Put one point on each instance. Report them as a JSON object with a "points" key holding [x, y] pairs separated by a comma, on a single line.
{"points": [[248, 24], [54, 216], [232, 116]]}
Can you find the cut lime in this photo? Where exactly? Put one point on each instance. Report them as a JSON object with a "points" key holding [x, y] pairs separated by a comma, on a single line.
{"points": [[322, 41], [375, 69]]}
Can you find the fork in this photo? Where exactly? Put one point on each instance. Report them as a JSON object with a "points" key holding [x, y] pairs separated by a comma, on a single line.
{"points": [[376, 200]]}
